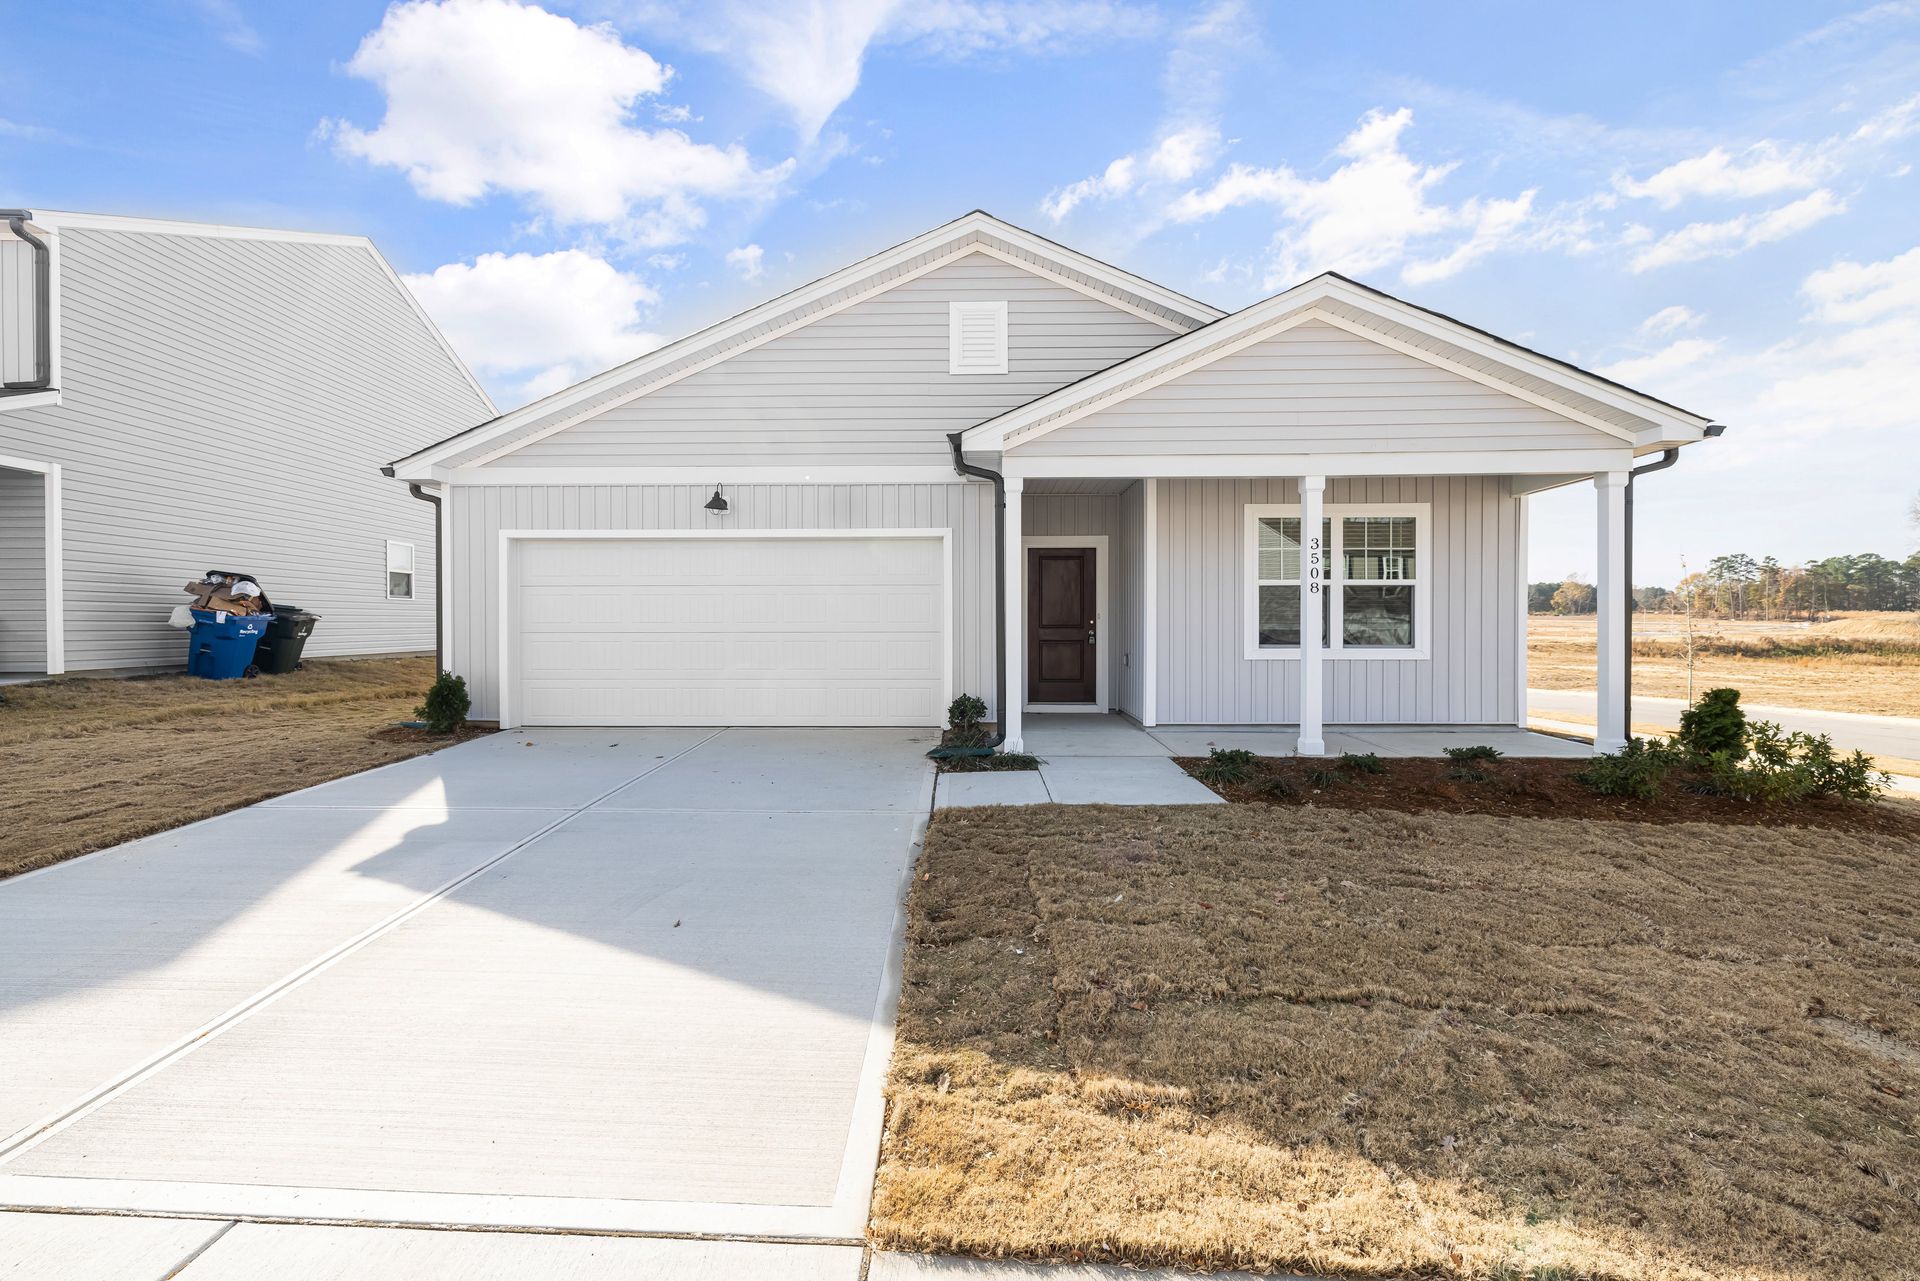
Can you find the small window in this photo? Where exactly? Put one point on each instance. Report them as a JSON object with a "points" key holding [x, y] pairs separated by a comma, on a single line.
{"points": [[1374, 561], [399, 571], [977, 338], [1279, 583]]}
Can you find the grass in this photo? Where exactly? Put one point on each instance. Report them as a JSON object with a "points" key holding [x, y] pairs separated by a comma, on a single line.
{"points": [[1854, 663], [91, 763], [1361, 1043]]}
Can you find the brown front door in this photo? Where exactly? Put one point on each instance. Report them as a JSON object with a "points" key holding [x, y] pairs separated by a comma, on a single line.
{"points": [[1060, 625]]}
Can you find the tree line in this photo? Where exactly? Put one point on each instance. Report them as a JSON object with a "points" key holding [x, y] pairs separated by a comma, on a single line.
{"points": [[1738, 586]]}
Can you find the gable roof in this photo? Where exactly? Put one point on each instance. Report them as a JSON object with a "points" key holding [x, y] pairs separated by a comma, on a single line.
{"points": [[54, 220], [976, 232], [1608, 406]]}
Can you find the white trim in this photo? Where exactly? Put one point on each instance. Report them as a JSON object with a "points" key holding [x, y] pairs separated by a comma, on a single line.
{"points": [[1314, 581], [1150, 605], [958, 310], [1520, 621], [30, 400], [1102, 612], [1611, 725], [508, 537], [1011, 584], [443, 576], [1385, 463], [1423, 583], [56, 571], [930, 475], [1079, 287], [25, 464]]}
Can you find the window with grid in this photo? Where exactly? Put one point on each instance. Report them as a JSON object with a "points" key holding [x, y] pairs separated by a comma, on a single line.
{"points": [[399, 571], [1281, 557], [1373, 558], [1379, 565]]}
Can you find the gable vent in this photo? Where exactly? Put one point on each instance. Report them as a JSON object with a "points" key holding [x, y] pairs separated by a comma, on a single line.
{"points": [[977, 338]]}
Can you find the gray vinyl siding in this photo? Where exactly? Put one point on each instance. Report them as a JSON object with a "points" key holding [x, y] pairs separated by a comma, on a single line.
{"points": [[480, 512], [18, 320], [1084, 514], [23, 576], [864, 386], [1315, 388], [227, 404], [1475, 576]]}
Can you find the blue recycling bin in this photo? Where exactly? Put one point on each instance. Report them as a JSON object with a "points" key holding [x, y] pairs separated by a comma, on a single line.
{"points": [[223, 651]]}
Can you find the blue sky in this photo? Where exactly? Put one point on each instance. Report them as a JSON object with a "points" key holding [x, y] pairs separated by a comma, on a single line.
{"points": [[1715, 203]]}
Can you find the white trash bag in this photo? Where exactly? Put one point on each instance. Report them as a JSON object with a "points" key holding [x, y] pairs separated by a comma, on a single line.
{"points": [[182, 616]]}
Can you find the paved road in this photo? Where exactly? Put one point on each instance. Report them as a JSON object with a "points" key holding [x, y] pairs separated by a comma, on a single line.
{"points": [[1878, 735]]}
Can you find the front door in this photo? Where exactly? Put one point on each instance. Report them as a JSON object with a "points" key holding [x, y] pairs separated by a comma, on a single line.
{"points": [[1061, 611]]}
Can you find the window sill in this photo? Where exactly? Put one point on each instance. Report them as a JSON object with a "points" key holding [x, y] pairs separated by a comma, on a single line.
{"points": [[1263, 653]]}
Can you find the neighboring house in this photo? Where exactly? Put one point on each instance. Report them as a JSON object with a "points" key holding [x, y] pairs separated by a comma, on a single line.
{"points": [[1160, 459], [182, 397]]}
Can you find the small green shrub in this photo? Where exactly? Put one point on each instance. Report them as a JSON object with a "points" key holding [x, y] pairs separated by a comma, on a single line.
{"points": [[1636, 770], [1362, 762], [1780, 767], [1478, 752], [1227, 765], [446, 706], [1467, 774], [1324, 778], [1714, 725], [1279, 786], [964, 715]]}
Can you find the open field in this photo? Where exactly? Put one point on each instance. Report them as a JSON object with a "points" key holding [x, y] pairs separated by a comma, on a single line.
{"points": [[1856, 663], [91, 763], [1380, 1044]]}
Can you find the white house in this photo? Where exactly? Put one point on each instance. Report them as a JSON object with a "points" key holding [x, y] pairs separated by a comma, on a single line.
{"points": [[180, 397], [979, 447]]}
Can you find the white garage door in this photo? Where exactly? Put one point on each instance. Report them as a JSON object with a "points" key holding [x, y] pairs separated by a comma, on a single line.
{"points": [[728, 631]]}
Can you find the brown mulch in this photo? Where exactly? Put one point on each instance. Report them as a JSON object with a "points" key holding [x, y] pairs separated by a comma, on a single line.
{"points": [[417, 734], [1535, 788]]}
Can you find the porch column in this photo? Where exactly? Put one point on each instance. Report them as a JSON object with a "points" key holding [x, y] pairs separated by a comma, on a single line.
{"points": [[1313, 586], [1010, 580], [1610, 591]]}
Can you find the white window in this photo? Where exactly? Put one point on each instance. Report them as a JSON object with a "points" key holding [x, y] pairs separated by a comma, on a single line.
{"points": [[399, 571], [977, 338], [1376, 600]]}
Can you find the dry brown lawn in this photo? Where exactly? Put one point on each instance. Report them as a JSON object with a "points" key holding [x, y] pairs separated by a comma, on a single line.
{"points": [[91, 763], [1855, 663], [1380, 1044]]}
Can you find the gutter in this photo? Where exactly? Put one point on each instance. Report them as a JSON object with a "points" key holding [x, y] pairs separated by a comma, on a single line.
{"points": [[1667, 459], [439, 573], [42, 379], [965, 468]]}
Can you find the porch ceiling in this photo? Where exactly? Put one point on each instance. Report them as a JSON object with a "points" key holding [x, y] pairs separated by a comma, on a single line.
{"points": [[1096, 486]]}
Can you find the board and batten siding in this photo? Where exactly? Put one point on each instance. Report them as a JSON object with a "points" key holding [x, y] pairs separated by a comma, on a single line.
{"points": [[1311, 389], [19, 307], [480, 512], [23, 571], [1094, 514], [227, 403], [865, 386], [1475, 571]]}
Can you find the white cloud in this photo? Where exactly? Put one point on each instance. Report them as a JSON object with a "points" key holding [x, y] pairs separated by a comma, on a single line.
{"points": [[1371, 213], [231, 25], [1737, 235], [1851, 292], [1177, 157], [1670, 320], [530, 324], [493, 95], [1658, 365], [1899, 121], [747, 260], [1761, 170]]}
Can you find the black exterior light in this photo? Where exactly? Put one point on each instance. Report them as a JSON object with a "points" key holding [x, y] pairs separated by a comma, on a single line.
{"points": [[717, 505]]}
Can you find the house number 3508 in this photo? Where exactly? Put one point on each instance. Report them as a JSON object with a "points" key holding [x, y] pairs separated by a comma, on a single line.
{"points": [[1313, 565]]}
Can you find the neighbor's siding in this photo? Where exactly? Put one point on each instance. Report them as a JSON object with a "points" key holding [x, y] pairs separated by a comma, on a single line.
{"points": [[1090, 514], [480, 512], [227, 404], [1476, 574], [866, 386], [1315, 388], [23, 576]]}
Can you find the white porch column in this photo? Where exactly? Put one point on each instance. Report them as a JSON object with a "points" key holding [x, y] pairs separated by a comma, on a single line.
{"points": [[1313, 587], [1610, 598], [1150, 603], [1010, 580]]}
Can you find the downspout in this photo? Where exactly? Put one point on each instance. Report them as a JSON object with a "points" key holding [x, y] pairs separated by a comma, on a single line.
{"points": [[1667, 459], [965, 468], [42, 304], [439, 573]]}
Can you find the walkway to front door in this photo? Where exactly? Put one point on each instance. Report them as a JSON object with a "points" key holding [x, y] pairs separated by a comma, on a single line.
{"points": [[1062, 617]]}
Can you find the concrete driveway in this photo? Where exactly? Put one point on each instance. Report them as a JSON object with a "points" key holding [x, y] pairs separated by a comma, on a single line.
{"points": [[615, 980]]}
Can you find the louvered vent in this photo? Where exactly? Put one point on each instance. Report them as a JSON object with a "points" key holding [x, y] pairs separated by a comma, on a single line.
{"points": [[977, 338]]}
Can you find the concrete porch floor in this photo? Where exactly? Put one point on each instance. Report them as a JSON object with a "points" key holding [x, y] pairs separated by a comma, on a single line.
{"points": [[1111, 760]]}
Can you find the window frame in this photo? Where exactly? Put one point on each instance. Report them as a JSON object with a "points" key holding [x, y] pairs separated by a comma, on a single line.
{"points": [[958, 308], [1336, 514], [412, 571]]}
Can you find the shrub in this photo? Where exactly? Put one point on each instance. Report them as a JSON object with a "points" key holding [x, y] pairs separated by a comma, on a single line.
{"points": [[1226, 765], [1467, 774], [1364, 762], [1714, 725], [1637, 770], [1478, 752], [964, 715], [447, 703], [1324, 778], [1778, 766], [1279, 786]]}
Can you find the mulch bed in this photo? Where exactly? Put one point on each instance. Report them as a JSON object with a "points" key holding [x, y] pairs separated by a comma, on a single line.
{"points": [[1530, 788], [415, 734]]}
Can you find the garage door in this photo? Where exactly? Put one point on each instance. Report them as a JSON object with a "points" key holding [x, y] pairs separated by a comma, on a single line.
{"points": [[728, 631]]}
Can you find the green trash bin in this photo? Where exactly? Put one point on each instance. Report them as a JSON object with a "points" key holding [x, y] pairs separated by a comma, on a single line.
{"points": [[286, 638]]}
